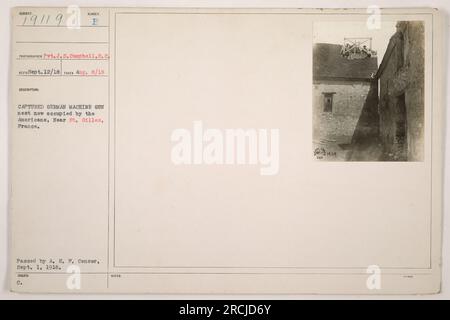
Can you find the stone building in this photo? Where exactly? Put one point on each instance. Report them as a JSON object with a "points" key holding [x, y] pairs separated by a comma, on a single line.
{"points": [[401, 82], [391, 126], [340, 88]]}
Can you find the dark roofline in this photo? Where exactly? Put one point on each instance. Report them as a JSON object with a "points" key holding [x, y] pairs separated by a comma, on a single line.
{"points": [[329, 63]]}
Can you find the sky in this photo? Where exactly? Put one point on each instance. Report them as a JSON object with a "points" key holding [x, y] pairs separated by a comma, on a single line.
{"points": [[336, 31]]}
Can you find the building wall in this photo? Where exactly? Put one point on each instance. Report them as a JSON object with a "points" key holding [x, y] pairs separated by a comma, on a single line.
{"points": [[387, 108], [402, 94], [348, 102]]}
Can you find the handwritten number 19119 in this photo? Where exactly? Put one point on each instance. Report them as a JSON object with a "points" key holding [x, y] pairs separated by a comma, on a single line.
{"points": [[45, 19]]}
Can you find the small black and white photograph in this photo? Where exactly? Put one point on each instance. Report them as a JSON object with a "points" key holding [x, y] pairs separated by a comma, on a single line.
{"points": [[368, 91]]}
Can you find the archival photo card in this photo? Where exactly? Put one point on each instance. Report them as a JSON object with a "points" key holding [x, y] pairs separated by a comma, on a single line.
{"points": [[226, 151]]}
